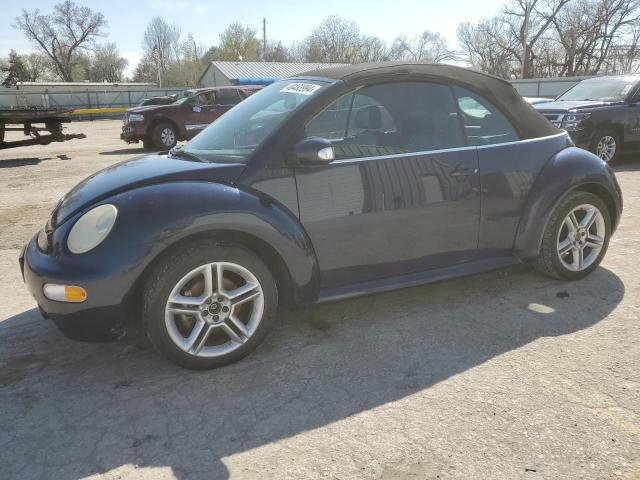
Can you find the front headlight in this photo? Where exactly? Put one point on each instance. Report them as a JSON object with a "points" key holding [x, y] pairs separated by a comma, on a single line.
{"points": [[136, 117], [92, 228], [571, 121], [43, 240]]}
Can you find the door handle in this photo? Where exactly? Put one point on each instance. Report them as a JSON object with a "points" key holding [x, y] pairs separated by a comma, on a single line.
{"points": [[463, 172]]}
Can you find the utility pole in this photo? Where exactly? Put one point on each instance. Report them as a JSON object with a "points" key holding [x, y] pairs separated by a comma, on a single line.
{"points": [[525, 53], [264, 39]]}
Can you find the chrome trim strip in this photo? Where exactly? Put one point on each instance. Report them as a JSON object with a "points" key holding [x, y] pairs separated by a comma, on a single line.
{"points": [[445, 150], [198, 126]]}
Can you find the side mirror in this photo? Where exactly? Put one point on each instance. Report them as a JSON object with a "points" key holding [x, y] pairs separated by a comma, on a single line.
{"points": [[314, 151]]}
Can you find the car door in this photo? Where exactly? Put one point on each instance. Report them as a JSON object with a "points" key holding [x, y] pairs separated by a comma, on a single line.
{"points": [[401, 196], [508, 165], [632, 120], [201, 112], [226, 99]]}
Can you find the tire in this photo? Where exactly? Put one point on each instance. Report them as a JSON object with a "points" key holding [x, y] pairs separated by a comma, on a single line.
{"points": [[164, 136], [603, 138], [214, 346], [558, 237]]}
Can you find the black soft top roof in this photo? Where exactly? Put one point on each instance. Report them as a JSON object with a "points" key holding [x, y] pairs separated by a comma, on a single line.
{"points": [[528, 121]]}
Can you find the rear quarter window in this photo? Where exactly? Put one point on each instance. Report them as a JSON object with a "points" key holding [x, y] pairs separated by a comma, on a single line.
{"points": [[483, 123]]}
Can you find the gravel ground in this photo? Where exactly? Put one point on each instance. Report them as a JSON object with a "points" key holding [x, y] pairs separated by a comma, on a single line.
{"points": [[505, 375]]}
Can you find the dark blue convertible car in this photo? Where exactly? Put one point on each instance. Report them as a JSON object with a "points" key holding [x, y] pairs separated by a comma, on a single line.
{"points": [[332, 184]]}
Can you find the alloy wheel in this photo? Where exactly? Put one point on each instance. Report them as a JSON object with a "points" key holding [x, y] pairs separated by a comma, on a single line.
{"points": [[168, 137], [581, 237], [606, 148], [214, 309]]}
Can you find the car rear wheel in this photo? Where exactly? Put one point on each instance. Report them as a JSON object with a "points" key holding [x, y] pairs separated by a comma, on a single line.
{"points": [[576, 238], [164, 136], [209, 304], [606, 145]]}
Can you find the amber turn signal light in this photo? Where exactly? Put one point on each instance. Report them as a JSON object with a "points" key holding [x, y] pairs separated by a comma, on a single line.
{"points": [[65, 293]]}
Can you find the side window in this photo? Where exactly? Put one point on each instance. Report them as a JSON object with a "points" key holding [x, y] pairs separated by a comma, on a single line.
{"points": [[331, 123], [362, 101], [227, 96], [204, 98], [484, 124], [390, 118]]}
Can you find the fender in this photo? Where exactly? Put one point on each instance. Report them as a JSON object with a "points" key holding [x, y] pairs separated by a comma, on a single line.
{"points": [[153, 218], [570, 169]]}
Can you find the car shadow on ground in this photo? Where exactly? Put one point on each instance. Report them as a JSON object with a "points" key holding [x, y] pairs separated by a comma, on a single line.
{"points": [[129, 151], [83, 409], [627, 163], [23, 162]]}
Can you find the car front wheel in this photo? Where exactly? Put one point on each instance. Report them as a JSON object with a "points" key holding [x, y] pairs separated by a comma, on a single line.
{"points": [[209, 304], [576, 237], [164, 136]]}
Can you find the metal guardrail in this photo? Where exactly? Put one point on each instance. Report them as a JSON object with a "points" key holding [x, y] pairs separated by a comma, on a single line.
{"points": [[545, 87], [81, 99]]}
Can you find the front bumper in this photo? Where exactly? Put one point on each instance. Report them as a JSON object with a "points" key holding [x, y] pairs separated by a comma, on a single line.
{"points": [[133, 133], [101, 317]]}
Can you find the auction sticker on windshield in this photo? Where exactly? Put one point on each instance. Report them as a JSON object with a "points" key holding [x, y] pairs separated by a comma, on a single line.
{"points": [[302, 88]]}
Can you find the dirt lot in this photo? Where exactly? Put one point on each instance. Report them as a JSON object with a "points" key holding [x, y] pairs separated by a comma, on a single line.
{"points": [[503, 375]]}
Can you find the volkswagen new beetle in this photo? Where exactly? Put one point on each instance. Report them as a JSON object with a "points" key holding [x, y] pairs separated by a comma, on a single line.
{"points": [[336, 183]]}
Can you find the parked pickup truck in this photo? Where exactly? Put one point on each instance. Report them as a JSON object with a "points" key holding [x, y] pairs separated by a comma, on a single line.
{"points": [[601, 114], [161, 126]]}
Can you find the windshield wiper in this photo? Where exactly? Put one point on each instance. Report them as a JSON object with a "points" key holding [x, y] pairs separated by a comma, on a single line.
{"points": [[179, 153]]}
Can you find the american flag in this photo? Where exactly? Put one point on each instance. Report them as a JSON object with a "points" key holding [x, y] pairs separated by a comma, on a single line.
{"points": [[155, 53]]}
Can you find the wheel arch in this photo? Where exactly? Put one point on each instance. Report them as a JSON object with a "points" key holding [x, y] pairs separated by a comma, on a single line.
{"points": [[158, 120], [266, 252], [570, 170], [217, 211], [618, 128]]}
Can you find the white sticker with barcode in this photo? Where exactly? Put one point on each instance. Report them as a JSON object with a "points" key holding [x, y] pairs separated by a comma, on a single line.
{"points": [[302, 88]]}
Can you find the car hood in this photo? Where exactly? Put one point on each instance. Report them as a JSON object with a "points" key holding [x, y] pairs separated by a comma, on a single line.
{"points": [[569, 105], [139, 172]]}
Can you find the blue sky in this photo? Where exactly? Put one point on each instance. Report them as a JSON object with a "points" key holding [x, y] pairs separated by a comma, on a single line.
{"points": [[286, 20]]}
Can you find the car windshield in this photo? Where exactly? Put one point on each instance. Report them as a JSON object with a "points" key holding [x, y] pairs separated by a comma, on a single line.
{"points": [[603, 90], [237, 133]]}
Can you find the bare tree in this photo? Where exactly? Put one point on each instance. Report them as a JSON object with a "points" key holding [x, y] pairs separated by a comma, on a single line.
{"points": [[276, 52], [427, 47], [39, 67], [161, 42], [627, 58], [527, 21], [488, 47], [335, 40], [372, 49], [107, 65], [64, 34], [596, 34]]}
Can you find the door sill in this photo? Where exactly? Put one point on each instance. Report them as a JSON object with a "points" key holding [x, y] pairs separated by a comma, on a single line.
{"points": [[415, 279]]}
